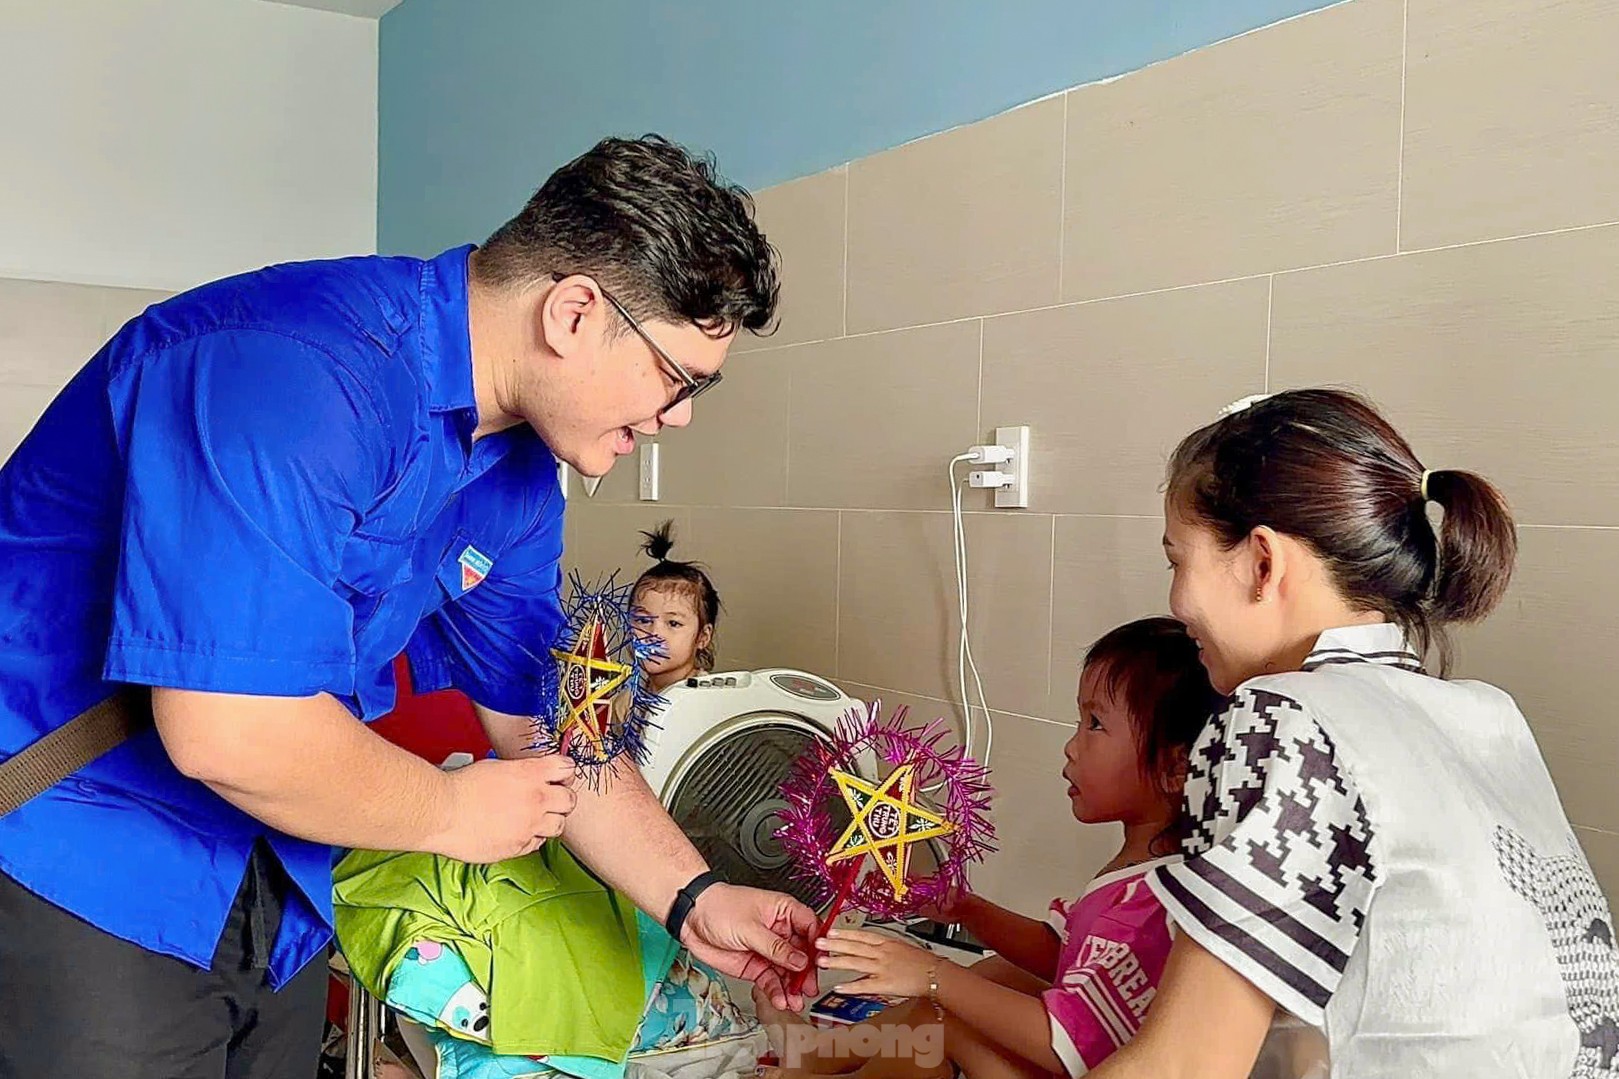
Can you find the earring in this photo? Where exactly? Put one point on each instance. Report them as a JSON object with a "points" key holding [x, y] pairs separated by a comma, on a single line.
{"points": [[1259, 595]]}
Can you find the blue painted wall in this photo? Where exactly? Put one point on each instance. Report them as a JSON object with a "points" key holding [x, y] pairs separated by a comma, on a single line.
{"points": [[480, 99]]}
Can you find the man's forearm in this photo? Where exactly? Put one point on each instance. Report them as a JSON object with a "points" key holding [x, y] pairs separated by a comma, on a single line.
{"points": [[307, 767], [619, 828], [622, 831]]}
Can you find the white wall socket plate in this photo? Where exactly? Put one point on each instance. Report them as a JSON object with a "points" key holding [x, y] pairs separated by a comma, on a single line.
{"points": [[649, 472], [1015, 496]]}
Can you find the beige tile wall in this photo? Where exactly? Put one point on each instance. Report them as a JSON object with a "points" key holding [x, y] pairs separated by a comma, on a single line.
{"points": [[47, 332], [1417, 198]]}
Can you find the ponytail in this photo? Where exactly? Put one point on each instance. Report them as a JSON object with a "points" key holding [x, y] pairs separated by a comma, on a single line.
{"points": [[1477, 546]]}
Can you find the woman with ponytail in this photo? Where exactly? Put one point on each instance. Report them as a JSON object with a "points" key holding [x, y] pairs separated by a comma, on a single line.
{"points": [[1379, 879], [676, 603]]}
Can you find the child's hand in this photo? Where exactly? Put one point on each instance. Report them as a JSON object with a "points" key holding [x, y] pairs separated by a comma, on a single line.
{"points": [[949, 909], [889, 967]]}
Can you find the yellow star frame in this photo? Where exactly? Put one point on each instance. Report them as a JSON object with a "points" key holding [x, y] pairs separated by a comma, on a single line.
{"points": [[887, 820], [588, 682]]}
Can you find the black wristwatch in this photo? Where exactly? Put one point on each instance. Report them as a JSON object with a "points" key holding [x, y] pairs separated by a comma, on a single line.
{"points": [[686, 899]]}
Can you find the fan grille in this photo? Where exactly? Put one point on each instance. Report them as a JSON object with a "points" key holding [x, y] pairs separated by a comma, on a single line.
{"points": [[729, 800]]}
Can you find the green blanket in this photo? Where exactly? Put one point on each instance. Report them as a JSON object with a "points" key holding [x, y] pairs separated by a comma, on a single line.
{"points": [[565, 980]]}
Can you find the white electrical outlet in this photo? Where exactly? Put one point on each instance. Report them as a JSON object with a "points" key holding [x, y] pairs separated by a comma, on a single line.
{"points": [[649, 472], [1016, 494]]}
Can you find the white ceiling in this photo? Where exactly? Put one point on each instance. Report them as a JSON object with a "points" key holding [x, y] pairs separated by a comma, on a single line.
{"points": [[367, 9]]}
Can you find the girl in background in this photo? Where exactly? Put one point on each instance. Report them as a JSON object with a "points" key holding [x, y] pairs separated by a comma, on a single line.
{"points": [[676, 603]]}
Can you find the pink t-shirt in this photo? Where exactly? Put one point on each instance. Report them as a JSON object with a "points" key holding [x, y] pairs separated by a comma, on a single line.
{"points": [[1115, 941]]}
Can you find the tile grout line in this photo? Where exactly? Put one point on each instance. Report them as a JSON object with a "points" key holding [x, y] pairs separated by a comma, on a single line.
{"points": [[589, 508], [837, 604], [978, 419], [1195, 285], [1051, 609], [1399, 175], [1570, 528], [1001, 513], [1062, 198], [1270, 306], [953, 703], [787, 440], [848, 171]]}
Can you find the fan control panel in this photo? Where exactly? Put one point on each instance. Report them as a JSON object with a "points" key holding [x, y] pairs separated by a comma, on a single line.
{"points": [[740, 679], [799, 685], [811, 689]]}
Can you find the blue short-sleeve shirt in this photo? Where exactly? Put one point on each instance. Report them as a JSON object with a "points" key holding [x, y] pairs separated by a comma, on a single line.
{"points": [[268, 486]]}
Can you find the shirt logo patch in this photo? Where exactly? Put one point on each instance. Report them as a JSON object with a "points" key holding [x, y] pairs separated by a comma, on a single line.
{"points": [[475, 566]]}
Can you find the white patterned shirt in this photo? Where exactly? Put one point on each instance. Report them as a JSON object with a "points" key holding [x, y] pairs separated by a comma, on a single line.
{"points": [[1384, 855]]}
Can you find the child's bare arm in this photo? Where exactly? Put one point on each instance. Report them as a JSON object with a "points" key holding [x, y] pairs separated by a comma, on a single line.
{"points": [[1016, 1022], [1025, 942], [1010, 1019]]}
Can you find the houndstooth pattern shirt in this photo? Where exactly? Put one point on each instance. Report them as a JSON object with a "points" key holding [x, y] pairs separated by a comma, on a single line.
{"points": [[1384, 855]]}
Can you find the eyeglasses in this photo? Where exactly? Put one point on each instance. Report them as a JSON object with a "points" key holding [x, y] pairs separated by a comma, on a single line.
{"points": [[691, 385]]}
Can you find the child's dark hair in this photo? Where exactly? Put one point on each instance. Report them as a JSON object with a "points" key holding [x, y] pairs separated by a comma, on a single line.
{"points": [[1151, 667], [1324, 467], [686, 576]]}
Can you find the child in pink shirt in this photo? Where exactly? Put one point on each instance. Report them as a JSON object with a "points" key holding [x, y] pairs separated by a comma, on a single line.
{"points": [[1115, 939], [1058, 997]]}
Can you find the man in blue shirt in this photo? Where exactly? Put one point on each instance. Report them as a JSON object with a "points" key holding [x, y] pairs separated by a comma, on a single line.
{"points": [[254, 497]]}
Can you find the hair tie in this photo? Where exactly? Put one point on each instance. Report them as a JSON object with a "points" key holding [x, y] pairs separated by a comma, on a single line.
{"points": [[1422, 488], [1243, 404]]}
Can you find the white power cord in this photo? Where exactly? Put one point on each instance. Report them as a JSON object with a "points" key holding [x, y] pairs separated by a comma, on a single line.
{"points": [[964, 648]]}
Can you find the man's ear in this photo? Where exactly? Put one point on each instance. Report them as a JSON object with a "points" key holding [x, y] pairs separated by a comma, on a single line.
{"points": [[567, 314]]}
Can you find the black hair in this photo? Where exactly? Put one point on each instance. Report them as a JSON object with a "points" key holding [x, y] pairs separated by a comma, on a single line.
{"points": [[1151, 666], [1324, 467], [656, 225]]}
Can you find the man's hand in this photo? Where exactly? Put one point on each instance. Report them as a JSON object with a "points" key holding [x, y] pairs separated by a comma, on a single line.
{"points": [[623, 833], [759, 936], [500, 809]]}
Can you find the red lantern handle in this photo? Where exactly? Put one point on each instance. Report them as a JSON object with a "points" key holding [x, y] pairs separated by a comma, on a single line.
{"points": [[847, 876]]}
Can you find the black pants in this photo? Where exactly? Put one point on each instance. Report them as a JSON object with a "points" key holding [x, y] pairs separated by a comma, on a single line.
{"points": [[75, 1001]]}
